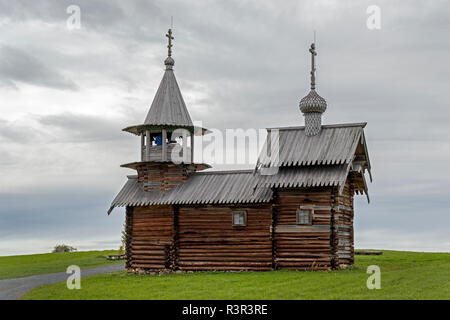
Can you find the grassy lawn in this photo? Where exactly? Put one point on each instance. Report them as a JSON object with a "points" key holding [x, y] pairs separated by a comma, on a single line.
{"points": [[404, 275], [27, 265]]}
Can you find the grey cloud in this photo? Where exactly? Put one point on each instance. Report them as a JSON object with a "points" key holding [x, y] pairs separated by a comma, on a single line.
{"points": [[12, 131], [79, 127], [6, 158], [19, 66], [51, 11], [62, 127], [129, 19]]}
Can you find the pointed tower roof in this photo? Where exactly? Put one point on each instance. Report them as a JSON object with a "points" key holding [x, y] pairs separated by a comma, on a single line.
{"points": [[168, 108]]}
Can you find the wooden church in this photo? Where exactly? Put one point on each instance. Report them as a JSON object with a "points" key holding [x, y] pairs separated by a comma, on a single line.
{"points": [[293, 211]]}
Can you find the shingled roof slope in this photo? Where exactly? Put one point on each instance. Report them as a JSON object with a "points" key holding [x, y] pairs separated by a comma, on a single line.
{"points": [[168, 107], [216, 187], [226, 187], [314, 176], [336, 144], [304, 161]]}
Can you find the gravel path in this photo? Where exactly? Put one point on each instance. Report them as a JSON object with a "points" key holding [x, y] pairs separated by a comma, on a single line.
{"points": [[11, 289]]}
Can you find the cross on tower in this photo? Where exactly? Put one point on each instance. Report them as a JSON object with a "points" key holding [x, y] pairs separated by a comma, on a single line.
{"points": [[169, 36], [313, 67]]}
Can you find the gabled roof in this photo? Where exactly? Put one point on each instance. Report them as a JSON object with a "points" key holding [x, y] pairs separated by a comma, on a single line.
{"points": [[336, 144], [215, 187], [324, 159], [168, 107]]}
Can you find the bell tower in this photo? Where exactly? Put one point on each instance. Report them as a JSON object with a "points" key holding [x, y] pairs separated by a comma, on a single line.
{"points": [[167, 136]]}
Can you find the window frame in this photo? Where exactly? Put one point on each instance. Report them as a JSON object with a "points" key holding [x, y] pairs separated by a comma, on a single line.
{"points": [[234, 212], [311, 212]]}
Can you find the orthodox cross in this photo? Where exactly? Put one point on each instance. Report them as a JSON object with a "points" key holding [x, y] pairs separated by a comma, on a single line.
{"points": [[169, 36], [313, 67]]}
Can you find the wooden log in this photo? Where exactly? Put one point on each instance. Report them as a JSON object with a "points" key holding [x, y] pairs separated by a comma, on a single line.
{"points": [[369, 253]]}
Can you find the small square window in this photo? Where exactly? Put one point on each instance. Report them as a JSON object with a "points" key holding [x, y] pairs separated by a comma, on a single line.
{"points": [[239, 218], [304, 216]]}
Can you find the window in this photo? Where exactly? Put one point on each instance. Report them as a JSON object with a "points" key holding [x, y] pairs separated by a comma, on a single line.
{"points": [[304, 216], [239, 218]]}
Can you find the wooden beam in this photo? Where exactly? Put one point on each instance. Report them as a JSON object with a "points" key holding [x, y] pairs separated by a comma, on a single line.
{"points": [[184, 141], [302, 228], [192, 147], [142, 146], [147, 146], [164, 145]]}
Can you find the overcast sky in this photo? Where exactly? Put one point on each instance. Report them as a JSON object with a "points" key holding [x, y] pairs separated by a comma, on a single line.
{"points": [[66, 95]]}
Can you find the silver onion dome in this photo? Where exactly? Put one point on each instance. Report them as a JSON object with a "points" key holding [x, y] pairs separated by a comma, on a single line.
{"points": [[312, 105], [312, 102], [169, 62]]}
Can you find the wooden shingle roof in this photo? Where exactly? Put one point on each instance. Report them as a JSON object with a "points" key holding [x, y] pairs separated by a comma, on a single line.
{"points": [[304, 161], [314, 176], [336, 144], [324, 159], [168, 107], [215, 187], [230, 187]]}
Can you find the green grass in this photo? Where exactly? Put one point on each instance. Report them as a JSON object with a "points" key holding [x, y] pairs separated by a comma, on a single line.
{"points": [[27, 265], [404, 275]]}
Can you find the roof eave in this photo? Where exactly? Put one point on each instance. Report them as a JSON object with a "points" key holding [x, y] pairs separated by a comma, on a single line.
{"points": [[137, 129], [336, 125], [194, 166]]}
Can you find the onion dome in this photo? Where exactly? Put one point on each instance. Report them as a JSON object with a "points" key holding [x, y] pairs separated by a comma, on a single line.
{"points": [[312, 102], [313, 105], [169, 62]]}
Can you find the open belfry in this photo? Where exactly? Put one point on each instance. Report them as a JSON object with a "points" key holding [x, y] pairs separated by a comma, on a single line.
{"points": [[294, 210]]}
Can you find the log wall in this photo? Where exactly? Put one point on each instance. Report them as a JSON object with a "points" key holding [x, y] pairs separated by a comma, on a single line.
{"points": [[161, 176], [208, 240], [303, 247], [343, 226], [152, 238], [197, 238]]}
